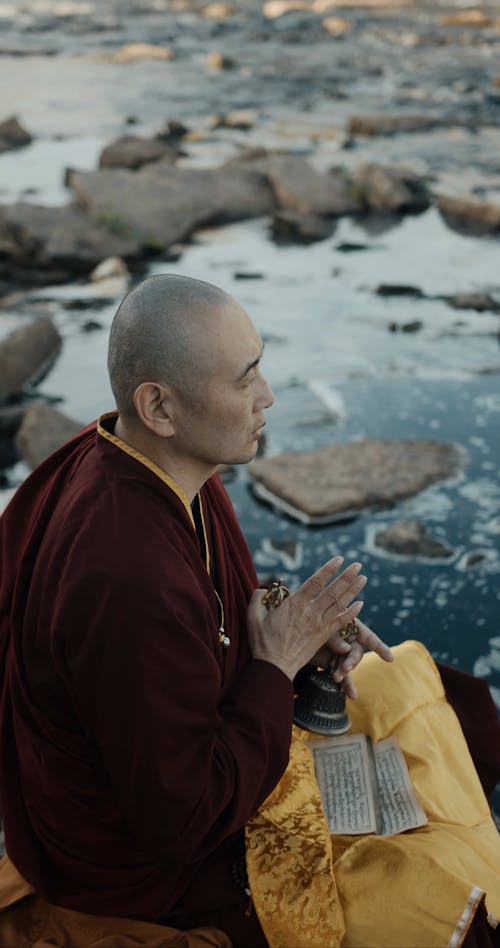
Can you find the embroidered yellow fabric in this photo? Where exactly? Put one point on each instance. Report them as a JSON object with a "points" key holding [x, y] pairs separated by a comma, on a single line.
{"points": [[422, 887]]}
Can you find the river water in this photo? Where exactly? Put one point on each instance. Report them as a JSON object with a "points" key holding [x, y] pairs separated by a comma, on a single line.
{"points": [[337, 371]]}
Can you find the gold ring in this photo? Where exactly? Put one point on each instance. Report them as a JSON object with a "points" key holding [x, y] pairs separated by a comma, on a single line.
{"points": [[276, 593], [350, 631]]}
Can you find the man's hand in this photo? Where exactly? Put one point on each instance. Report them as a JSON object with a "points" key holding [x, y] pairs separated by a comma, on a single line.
{"points": [[306, 626]]}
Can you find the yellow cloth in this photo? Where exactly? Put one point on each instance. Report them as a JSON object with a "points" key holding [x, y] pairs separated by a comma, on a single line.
{"points": [[419, 888]]}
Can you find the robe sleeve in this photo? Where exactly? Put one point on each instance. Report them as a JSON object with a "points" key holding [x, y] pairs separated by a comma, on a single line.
{"points": [[142, 666]]}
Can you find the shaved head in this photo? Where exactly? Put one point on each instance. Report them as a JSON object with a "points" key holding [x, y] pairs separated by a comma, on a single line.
{"points": [[157, 336]]}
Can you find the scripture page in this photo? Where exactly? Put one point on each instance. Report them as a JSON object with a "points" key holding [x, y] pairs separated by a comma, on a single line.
{"points": [[399, 807], [346, 777]]}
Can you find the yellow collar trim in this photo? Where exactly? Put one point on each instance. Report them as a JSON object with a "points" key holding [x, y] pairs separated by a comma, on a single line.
{"points": [[178, 491]]}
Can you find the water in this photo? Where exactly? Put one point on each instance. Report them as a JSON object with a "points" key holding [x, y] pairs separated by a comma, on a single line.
{"points": [[339, 374]]}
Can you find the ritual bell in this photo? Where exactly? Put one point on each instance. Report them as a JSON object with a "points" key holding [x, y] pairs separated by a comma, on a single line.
{"points": [[320, 704]]}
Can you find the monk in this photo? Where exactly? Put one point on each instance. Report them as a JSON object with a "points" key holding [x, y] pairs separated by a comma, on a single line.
{"points": [[146, 690]]}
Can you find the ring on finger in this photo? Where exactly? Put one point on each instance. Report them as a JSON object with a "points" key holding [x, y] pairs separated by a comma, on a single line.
{"points": [[349, 632], [276, 593]]}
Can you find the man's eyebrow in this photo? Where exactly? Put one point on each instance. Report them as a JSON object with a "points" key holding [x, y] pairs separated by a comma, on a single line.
{"points": [[251, 365]]}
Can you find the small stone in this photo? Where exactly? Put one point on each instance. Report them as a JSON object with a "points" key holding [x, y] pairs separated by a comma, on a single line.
{"points": [[111, 267], [481, 302], [410, 538], [472, 559], [217, 11], [132, 52], [218, 61], [336, 26], [414, 326], [13, 135], [300, 228], [382, 124], [91, 325], [399, 289], [243, 119], [276, 8], [347, 247], [472, 217], [131, 151], [471, 17], [247, 275]]}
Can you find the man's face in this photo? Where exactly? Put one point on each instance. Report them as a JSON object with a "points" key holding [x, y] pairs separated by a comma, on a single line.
{"points": [[222, 424]]}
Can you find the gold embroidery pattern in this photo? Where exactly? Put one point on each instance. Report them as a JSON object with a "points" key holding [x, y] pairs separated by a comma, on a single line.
{"points": [[289, 861]]}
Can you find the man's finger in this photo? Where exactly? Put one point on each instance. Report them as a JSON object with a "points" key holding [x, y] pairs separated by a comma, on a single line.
{"points": [[342, 591], [348, 688], [312, 586], [368, 638]]}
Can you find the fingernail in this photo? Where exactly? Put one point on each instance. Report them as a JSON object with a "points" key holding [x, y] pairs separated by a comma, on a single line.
{"points": [[356, 567], [348, 666], [357, 606]]}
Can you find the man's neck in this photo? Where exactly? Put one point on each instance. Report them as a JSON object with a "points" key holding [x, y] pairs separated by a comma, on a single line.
{"points": [[187, 475]]}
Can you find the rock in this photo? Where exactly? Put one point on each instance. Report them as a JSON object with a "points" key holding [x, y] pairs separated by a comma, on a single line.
{"points": [[275, 8], [471, 217], [473, 559], [340, 480], [298, 187], [132, 52], [399, 289], [43, 430], [242, 119], [300, 228], [11, 417], [218, 61], [410, 538], [217, 11], [13, 135], [347, 247], [161, 204], [481, 302], [336, 26], [49, 244], [470, 17], [26, 354], [131, 151], [386, 188], [383, 124], [173, 131], [414, 326], [110, 267], [247, 275], [91, 326]]}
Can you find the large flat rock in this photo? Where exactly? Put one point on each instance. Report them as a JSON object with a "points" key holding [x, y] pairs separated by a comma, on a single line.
{"points": [[161, 204], [340, 480], [62, 240], [298, 187]]}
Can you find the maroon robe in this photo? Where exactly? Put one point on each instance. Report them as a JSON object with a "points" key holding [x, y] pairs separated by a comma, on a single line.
{"points": [[134, 745]]}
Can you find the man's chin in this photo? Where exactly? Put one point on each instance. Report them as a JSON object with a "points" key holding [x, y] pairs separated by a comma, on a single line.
{"points": [[242, 458]]}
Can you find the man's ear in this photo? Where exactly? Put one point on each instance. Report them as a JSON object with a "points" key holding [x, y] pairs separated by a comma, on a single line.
{"points": [[154, 405]]}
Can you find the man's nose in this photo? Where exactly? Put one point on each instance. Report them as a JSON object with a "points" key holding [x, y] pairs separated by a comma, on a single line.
{"points": [[266, 395]]}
